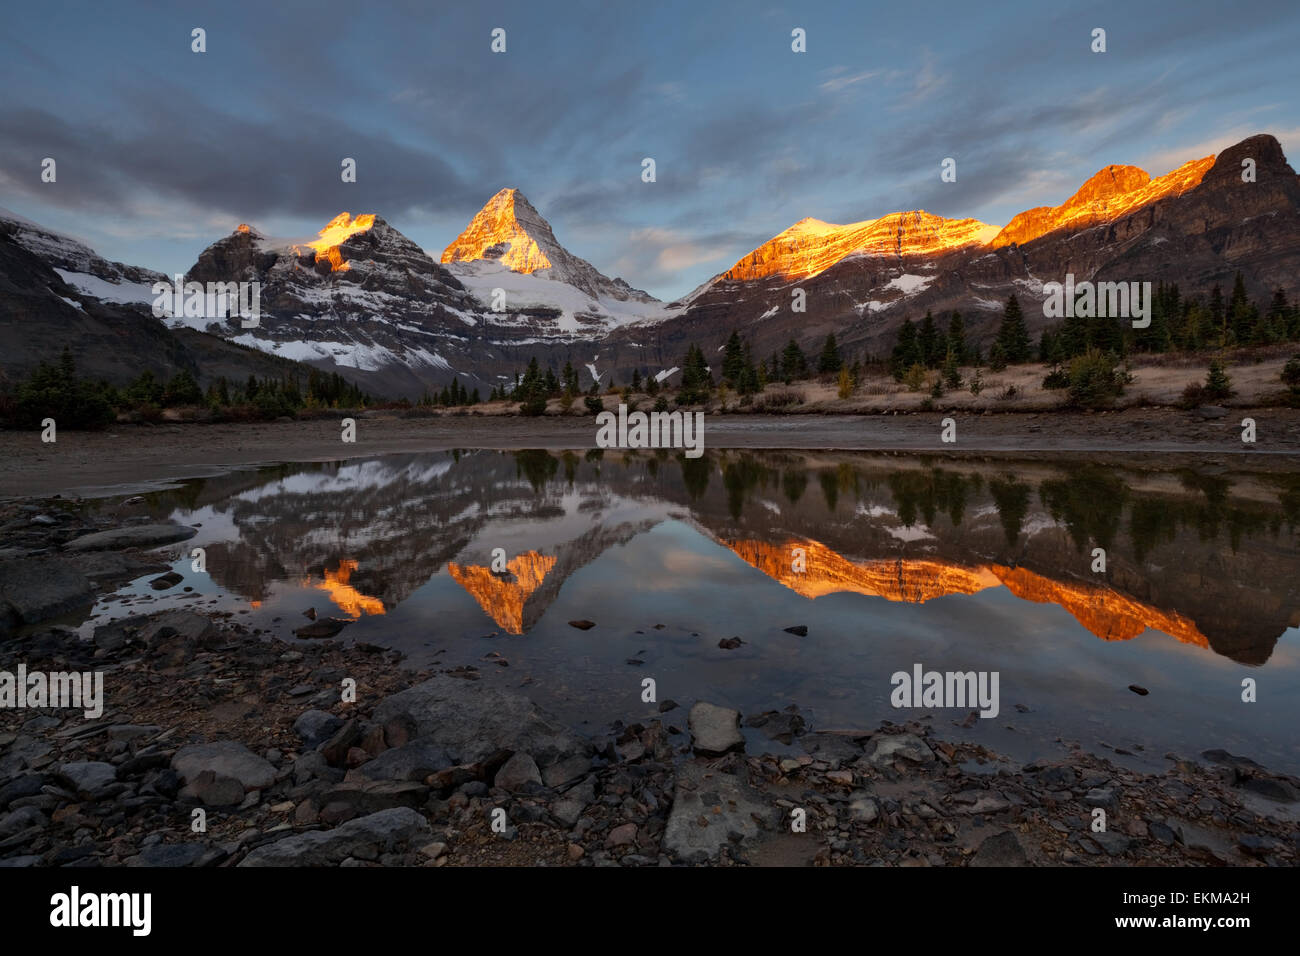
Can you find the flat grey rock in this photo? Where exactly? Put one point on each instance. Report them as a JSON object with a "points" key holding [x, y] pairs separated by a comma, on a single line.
{"points": [[714, 730], [1001, 849], [364, 837], [225, 758], [472, 721], [710, 809], [37, 589], [87, 776], [886, 748], [137, 536]]}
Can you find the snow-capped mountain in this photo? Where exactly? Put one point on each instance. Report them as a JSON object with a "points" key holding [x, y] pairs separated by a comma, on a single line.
{"points": [[1197, 226], [363, 299], [79, 265], [358, 296], [509, 258]]}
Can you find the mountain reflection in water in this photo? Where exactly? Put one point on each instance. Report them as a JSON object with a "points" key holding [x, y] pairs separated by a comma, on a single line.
{"points": [[890, 559]]}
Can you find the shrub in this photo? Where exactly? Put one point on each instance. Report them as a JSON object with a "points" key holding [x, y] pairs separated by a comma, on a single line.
{"points": [[1193, 396], [977, 383], [661, 403], [533, 405], [1096, 379], [914, 378], [1217, 383], [1057, 378], [1291, 373], [777, 399], [1008, 394], [595, 404]]}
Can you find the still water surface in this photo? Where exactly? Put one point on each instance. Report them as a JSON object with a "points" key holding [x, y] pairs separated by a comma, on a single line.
{"points": [[888, 560]]}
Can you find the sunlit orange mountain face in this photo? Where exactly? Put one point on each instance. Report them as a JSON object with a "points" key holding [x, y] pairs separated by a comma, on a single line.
{"points": [[347, 598], [336, 232], [1189, 559], [503, 595], [503, 230], [1106, 613], [811, 246], [365, 300], [1196, 226], [1112, 193]]}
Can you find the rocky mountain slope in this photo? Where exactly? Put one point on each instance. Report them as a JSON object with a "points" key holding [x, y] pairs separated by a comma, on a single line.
{"points": [[363, 299], [1196, 226], [41, 312]]}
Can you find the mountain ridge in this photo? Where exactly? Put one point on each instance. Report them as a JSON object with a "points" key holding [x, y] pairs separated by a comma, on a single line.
{"points": [[363, 299]]}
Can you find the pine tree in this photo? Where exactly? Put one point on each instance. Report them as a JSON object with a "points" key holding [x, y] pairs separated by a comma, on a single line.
{"points": [[1218, 316], [1217, 383], [951, 374], [733, 359], [928, 342], [1013, 335], [957, 338], [793, 363], [906, 353], [829, 360], [636, 380]]}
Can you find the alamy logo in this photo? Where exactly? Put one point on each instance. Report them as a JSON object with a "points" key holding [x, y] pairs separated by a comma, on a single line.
{"points": [[1086, 300], [215, 300], [74, 909], [655, 430], [83, 690], [949, 689]]}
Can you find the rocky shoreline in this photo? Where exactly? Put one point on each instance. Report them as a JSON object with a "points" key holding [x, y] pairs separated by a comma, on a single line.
{"points": [[219, 746]]}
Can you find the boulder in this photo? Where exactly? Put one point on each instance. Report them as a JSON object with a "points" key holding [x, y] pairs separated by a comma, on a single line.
{"points": [[472, 721], [36, 589], [225, 758], [714, 730]]}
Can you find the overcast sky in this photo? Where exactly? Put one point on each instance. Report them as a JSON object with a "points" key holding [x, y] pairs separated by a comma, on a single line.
{"points": [[161, 151]]}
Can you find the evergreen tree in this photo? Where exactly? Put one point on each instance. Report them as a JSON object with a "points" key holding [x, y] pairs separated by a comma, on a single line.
{"points": [[830, 360], [733, 359], [1013, 335], [697, 382], [951, 375], [636, 380], [1218, 315], [928, 342], [906, 352], [793, 363], [1217, 383], [956, 344], [181, 390]]}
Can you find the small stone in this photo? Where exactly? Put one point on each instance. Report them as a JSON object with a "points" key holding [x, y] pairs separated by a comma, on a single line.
{"points": [[518, 771], [1001, 849], [621, 835], [434, 850], [1140, 691], [799, 630], [714, 730], [85, 777], [582, 625]]}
